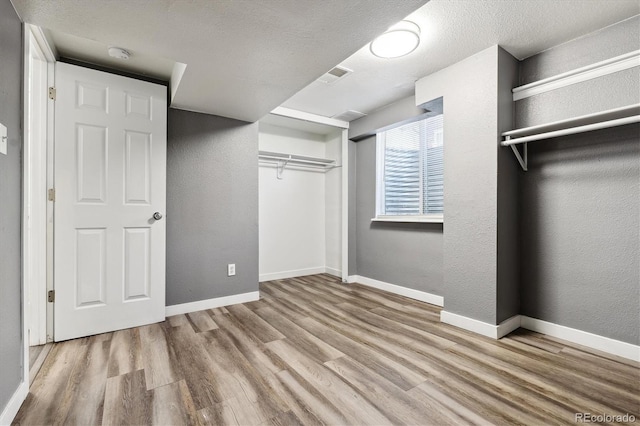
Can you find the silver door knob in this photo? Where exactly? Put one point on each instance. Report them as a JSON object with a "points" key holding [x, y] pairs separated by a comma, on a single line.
{"points": [[157, 215]]}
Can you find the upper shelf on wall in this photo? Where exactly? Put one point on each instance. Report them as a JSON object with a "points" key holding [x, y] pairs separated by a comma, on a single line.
{"points": [[585, 123]]}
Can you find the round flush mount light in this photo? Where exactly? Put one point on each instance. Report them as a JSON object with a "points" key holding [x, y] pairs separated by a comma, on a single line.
{"points": [[119, 53], [399, 40]]}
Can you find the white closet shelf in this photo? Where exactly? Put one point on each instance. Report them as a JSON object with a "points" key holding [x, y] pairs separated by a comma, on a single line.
{"points": [[585, 123], [281, 160], [296, 159]]}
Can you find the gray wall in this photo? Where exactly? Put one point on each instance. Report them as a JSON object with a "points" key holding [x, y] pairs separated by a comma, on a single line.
{"points": [[608, 92], [580, 201], [406, 254], [611, 91], [604, 44], [10, 203], [212, 206], [470, 90]]}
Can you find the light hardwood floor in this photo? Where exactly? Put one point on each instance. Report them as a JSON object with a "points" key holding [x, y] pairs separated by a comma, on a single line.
{"points": [[314, 351]]}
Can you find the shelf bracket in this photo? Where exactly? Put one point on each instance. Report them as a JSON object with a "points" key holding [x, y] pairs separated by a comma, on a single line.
{"points": [[280, 168], [522, 158]]}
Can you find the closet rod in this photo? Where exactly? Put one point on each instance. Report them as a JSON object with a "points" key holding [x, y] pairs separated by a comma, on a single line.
{"points": [[571, 130]]}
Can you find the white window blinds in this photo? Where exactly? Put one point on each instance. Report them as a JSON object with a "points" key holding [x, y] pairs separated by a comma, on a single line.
{"points": [[412, 169]]}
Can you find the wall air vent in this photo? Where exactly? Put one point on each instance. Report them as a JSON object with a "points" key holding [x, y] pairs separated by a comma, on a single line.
{"points": [[349, 115], [334, 75]]}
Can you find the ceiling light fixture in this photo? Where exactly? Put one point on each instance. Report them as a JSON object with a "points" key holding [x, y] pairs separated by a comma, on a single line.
{"points": [[119, 53], [399, 40]]}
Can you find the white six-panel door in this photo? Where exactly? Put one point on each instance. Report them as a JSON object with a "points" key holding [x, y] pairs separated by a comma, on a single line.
{"points": [[110, 179]]}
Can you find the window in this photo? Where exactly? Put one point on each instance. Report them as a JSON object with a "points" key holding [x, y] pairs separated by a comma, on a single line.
{"points": [[410, 172]]}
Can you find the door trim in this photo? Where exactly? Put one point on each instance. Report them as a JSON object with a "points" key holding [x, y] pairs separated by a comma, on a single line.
{"points": [[35, 241]]}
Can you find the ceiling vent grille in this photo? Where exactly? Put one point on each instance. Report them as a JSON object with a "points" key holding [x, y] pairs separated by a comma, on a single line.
{"points": [[335, 74], [349, 115]]}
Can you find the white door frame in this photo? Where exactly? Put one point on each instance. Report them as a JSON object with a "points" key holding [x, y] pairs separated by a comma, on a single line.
{"points": [[36, 248]]}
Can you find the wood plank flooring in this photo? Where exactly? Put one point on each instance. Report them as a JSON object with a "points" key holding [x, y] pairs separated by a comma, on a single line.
{"points": [[314, 351], [37, 355]]}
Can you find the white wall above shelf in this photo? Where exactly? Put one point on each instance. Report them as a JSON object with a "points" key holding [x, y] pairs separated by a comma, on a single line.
{"points": [[281, 160], [585, 123]]}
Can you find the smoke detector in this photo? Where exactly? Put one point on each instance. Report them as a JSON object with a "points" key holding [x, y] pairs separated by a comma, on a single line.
{"points": [[119, 53]]}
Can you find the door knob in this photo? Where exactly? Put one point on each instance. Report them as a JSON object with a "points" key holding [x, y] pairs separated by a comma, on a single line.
{"points": [[157, 215]]}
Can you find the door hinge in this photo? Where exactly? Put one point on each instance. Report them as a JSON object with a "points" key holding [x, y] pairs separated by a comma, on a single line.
{"points": [[52, 93], [51, 194], [51, 296]]}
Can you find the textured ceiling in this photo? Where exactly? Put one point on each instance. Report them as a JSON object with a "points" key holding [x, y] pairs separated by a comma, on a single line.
{"points": [[451, 31], [94, 52], [243, 57]]}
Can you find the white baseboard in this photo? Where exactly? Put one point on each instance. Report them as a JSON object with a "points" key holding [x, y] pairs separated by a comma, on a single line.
{"points": [[483, 328], [292, 274], [333, 271], [399, 290], [10, 411], [594, 341], [590, 340], [508, 325], [217, 302]]}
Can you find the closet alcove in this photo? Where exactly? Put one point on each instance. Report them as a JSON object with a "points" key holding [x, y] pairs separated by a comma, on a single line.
{"points": [[300, 199]]}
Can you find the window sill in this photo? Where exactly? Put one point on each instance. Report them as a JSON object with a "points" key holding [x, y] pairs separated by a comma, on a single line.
{"points": [[409, 219]]}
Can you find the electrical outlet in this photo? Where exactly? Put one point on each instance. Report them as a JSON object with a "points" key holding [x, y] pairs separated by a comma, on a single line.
{"points": [[231, 269], [3, 139]]}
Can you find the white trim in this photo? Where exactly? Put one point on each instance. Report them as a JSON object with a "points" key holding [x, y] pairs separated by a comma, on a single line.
{"points": [[344, 242], [589, 72], [410, 219], [307, 116], [176, 77], [479, 327], [333, 271], [40, 38], [594, 341], [292, 273], [508, 325], [217, 302], [25, 285], [422, 296], [51, 111], [10, 411], [34, 187]]}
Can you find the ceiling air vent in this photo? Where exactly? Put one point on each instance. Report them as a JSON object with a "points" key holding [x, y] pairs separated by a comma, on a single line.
{"points": [[334, 75], [349, 115]]}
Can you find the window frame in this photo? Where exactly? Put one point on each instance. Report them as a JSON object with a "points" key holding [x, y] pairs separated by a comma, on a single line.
{"points": [[380, 183]]}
